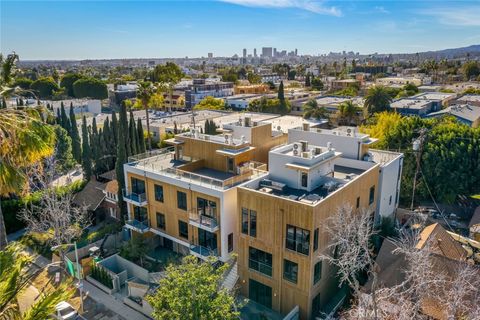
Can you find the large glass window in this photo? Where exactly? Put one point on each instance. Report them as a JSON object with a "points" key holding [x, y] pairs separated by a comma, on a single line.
{"points": [[316, 305], [230, 242], [181, 200], [140, 213], [158, 193], [138, 186], [260, 293], [244, 221], [298, 239], [160, 221], [206, 207], [253, 223], [260, 261], [315, 240], [183, 229], [317, 272], [290, 271], [207, 239], [372, 195]]}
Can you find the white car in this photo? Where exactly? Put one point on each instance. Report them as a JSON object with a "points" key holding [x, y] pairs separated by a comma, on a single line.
{"points": [[65, 311]]}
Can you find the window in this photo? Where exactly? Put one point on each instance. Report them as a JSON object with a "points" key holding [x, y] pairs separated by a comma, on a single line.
{"points": [[317, 272], [230, 242], [206, 207], [260, 261], [181, 200], [260, 293], [390, 201], [290, 271], [253, 223], [183, 229], [304, 179], [138, 186], [372, 195], [315, 240], [158, 193], [140, 214], [230, 164], [316, 305], [358, 202], [160, 221], [298, 239], [244, 221]]}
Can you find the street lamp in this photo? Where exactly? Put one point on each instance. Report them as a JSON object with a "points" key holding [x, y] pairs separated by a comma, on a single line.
{"points": [[80, 284]]}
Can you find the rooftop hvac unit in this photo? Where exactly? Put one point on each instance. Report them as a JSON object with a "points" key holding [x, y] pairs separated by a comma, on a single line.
{"points": [[247, 121], [306, 154], [242, 139], [318, 150], [329, 145], [226, 138], [279, 128], [306, 126], [297, 148]]}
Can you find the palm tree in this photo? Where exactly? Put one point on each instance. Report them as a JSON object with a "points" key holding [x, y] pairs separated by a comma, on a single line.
{"points": [[144, 93], [347, 111], [311, 109], [377, 99], [24, 140], [15, 275]]}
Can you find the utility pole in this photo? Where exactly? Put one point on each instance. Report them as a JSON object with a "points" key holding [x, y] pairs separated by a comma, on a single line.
{"points": [[418, 149]]}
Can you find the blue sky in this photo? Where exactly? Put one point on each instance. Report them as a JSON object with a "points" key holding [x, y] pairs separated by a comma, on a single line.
{"points": [[134, 29]]}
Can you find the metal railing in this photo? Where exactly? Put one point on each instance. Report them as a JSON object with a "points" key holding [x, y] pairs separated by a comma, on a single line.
{"points": [[136, 197], [209, 221], [203, 251], [142, 226], [260, 267]]}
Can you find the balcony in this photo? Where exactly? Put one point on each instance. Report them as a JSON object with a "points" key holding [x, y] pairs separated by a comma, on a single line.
{"points": [[260, 267], [138, 226], [138, 199], [203, 252], [199, 220]]}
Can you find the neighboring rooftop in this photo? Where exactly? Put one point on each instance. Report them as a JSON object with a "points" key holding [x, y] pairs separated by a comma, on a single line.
{"points": [[408, 103], [465, 111], [470, 98], [433, 96]]}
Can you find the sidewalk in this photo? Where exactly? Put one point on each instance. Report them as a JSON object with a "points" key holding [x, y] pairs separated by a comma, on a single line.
{"points": [[99, 296]]}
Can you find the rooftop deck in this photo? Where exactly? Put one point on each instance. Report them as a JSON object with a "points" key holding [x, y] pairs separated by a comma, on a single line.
{"points": [[164, 163]]}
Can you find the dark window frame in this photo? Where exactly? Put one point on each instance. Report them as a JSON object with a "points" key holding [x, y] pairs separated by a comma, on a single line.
{"points": [[244, 222], [182, 200], [290, 271], [162, 223], [297, 239], [371, 197], [158, 195], [230, 242], [317, 272], [181, 225], [260, 261], [253, 223], [315, 239]]}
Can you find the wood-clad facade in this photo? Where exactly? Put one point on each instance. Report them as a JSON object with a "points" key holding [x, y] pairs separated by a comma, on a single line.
{"points": [[272, 216]]}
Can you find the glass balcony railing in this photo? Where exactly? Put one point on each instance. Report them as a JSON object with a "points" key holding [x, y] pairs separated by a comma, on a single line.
{"points": [[139, 226], [260, 267], [208, 222], [204, 252], [137, 198]]}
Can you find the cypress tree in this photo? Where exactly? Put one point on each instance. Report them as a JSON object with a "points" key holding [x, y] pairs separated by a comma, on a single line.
{"points": [[76, 147], [86, 152], [59, 118], [107, 144], [4, 103], [307, 80], [281, 93], [141, 136], [95, 146], [63, 150], [65, 121], [121, 159], [133, 135], [115, 129]]}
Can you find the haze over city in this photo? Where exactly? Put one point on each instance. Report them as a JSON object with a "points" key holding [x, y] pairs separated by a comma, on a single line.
{"points": [[153, 29]]}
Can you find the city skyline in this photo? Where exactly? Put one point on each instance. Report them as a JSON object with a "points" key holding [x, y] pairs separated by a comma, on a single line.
{"points": [[167, 29]]}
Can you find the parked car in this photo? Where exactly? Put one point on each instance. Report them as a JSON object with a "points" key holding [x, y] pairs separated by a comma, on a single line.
{"points": [[65, 311]]}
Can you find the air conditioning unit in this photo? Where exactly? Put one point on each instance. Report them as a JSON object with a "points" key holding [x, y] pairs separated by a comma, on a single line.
{"points": [[226, 138], [296, 152], [318, 150], [329, 145], [306, 126], [304, 145]]}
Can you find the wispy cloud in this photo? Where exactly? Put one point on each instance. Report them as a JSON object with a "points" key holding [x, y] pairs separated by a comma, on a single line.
{"points": [[381, 9], [309, 5], [465, 16]]}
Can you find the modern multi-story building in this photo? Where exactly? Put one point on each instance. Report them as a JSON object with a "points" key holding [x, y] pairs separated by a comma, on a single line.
{"points": [[184, 197], [267, 52], [356, 146], [280, 224], [201, 89]]}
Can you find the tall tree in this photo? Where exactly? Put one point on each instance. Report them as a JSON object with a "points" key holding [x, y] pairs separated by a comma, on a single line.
{"points": [[141, 136], [133, 135], [377, 99], [86, 152], [347, 112], [311, 109], [168, 75], [75, 135], [67, 82], [121, 158], [114, 129], [281, 93], [90, 88], [65, 120], [307, 80], [63, 150], [144, 93]]}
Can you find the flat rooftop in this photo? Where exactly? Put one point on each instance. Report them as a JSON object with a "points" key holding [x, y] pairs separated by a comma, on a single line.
{"points": [[328, 184], [343, 131], [433, 96], [284, 123], [467, 112], [244, 96], [409, 103], [470, 98]]}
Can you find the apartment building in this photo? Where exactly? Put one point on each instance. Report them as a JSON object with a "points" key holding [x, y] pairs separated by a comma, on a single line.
{"points": [[356, 146], [184, 197], [201, 88], [280, 220]]}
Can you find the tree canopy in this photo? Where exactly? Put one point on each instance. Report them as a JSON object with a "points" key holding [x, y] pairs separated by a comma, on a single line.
{"points": [[211, 103], [377, 99], [191, 291], [67, 82], [44, 87], [90, 88]]}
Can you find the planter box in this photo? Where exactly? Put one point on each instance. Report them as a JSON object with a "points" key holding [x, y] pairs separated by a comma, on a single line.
{"points": [[100, 285]]}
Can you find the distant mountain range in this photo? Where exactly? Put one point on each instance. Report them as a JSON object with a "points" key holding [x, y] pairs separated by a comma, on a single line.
{"points": [[473, 51]]}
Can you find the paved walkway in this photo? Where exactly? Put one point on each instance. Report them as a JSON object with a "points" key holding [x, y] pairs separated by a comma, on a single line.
{"points": [[99, 296]]}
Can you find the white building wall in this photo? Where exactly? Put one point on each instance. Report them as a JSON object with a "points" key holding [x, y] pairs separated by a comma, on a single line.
{"points": [[350, 147], [389, 188], [228, 222]]}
